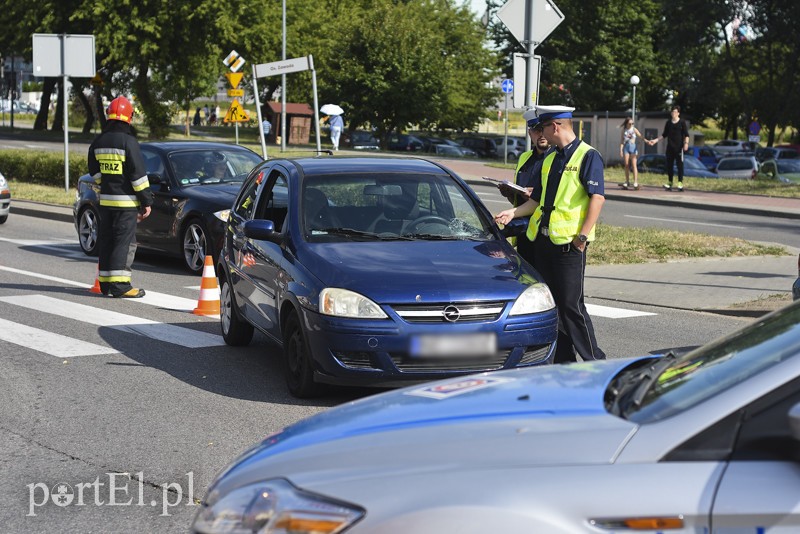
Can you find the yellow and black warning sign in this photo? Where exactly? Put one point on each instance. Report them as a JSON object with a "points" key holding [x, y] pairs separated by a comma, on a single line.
{"points": [[236, 113]]}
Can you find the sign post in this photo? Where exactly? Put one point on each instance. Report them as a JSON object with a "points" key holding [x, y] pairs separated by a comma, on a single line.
{"points": [[508, 87], [64, 55]]}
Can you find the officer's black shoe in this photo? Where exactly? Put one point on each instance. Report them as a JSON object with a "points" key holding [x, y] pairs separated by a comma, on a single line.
{"points": [[131, 294]]}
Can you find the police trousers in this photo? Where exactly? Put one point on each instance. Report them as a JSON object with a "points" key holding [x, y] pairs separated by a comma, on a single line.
{"points": [[116, 244], [563, 268]]}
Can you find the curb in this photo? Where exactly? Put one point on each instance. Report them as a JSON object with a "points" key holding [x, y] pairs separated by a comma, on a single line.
{"points": [[41, 210]]}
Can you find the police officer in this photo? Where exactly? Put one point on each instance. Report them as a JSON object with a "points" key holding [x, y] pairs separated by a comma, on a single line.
{"points": [[117, 165], [564, 206], [524, 175]]}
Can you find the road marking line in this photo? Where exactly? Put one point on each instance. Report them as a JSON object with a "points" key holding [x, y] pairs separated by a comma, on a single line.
{"points": [[614, 313], [154, 298], [176, 335], [685, 222], [49, 342]]}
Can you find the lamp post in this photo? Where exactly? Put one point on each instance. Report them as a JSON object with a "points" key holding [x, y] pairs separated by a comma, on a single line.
{"points": [[634, 83]]}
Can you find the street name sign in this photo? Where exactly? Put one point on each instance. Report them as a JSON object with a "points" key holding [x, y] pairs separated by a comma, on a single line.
{"points": [[282, 67]]}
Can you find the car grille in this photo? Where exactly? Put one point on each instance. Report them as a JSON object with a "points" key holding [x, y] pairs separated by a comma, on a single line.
{"points": [[534, 354], [460, 312], [409, 365]]}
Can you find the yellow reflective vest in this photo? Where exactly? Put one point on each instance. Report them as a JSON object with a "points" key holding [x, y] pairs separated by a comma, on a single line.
{"points": [[571, 202]]}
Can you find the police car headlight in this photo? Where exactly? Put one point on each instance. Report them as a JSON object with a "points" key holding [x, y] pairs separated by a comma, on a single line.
{"points": [[345, 303], [222, 215], [274, 507], [536, 298]]}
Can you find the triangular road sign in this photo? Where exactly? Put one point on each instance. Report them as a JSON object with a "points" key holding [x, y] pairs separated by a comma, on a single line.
{"points": [[236, 113], [234, 78]]}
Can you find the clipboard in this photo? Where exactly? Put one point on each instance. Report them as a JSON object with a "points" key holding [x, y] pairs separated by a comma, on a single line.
{"points": [[506, 182]]}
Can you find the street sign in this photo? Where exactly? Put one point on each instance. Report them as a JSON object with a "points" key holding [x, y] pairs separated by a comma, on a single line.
{"points": [[233, 61], [282, 67], [546, 16], [78, 55], [507, 86], [519, 74], [234, 78], [236, 113], [754, 128], [236, 92]]}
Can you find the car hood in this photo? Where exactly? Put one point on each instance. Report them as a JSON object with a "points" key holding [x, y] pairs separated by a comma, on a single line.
{"points": [[421, 271], [222, 194], [542, 416]]}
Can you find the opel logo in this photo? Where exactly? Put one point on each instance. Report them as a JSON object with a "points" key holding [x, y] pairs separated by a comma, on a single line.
{"points": [[451, 313]]}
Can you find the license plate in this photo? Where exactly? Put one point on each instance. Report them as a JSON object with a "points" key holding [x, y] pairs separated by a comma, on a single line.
{"points": [[475, 345]]}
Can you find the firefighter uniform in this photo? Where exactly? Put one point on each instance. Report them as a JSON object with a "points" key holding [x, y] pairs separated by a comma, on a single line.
{"points": [[567, 178], [117, 166]]}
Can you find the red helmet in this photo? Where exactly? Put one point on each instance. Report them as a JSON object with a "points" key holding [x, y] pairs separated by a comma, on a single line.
{"points": [[120, 109]]}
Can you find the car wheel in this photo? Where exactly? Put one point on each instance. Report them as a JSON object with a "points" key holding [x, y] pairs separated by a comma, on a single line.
{"points": [[87, 231], [195, 245], [512, 157], [3, 219], [235, 331], [297, 355]]}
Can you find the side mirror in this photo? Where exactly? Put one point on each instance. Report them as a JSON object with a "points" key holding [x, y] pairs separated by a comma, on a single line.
{"points": [[261, 230], [157, 182], [515, 227], [794, 421]]}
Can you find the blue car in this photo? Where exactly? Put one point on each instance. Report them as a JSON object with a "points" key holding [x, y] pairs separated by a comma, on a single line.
{"points": [[377, 272], [657, 163]]}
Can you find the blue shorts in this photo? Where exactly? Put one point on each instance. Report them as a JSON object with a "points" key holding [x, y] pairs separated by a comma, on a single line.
{"points": [[629, 148]]}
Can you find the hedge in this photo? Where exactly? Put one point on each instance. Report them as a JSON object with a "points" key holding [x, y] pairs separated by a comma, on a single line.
{"points": [[40, 167]]}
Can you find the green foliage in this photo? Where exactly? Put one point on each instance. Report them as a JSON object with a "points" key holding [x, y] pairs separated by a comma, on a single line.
{"points": [[43, 168]]}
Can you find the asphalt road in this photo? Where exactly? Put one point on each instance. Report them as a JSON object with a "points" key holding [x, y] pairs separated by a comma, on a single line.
{"points": [[155, 393]]}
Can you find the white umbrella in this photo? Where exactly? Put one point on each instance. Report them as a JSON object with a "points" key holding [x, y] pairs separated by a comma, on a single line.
{"points": [[331, 109]]}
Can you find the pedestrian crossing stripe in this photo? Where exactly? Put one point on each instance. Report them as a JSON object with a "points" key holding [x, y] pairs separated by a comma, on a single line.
{"points": [[176, 335], [49, 342], [614, 313]]}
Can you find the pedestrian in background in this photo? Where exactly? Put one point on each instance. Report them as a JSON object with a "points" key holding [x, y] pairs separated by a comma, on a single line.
{"points": [[528, 164], [337, 125], [565, 204], [205, 113], [197, 120], [266, 127], [629, 152], [117, 166], [677, 135]]}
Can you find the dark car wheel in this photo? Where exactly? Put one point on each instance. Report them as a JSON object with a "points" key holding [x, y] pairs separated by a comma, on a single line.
{"points": [[3, 219], [195, 245], [87, 231], [297, 354], [235, 331]]}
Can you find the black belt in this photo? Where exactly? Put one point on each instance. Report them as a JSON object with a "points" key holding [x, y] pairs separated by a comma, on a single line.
{"points": [[544, 231]]}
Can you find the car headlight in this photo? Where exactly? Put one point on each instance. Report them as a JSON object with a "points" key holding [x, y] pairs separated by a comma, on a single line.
{"points": [[274, 507], [345, 303], [222, 215], [536, 298], [3, 183]]}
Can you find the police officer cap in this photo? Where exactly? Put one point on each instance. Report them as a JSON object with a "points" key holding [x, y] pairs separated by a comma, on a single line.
{"points": [[530, 118], [547, 113]]}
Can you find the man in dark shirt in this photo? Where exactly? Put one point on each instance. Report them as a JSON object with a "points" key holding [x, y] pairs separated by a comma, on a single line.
{"points": [[677, 135]]}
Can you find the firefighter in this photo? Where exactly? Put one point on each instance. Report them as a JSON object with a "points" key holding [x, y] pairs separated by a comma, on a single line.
{"points": [[568, 194], [117, 166]]}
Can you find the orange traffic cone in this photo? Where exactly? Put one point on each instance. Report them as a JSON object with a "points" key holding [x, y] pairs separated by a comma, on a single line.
{"points": [[208, 303], [96, 287]]}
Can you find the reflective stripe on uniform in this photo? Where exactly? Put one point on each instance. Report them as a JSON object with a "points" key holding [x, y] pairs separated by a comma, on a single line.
{"points": [[111, 160], [141, 184], [119, 201], [112, 279]]}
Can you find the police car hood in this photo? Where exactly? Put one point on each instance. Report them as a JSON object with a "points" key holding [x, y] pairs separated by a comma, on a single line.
{"points": [[542, 416]]}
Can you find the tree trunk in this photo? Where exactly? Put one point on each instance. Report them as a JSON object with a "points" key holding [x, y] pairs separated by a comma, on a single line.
{"points": [[58, 120], [100, 113], [41, 118], [87, 107]]}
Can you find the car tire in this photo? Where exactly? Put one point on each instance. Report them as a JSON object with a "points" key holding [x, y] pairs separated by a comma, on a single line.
{"points": [[512, 157], [88, 221], [3, 219], [195, 245], [235, 331], [297, 357]]}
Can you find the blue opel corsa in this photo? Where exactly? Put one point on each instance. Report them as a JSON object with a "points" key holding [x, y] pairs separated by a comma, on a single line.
{"points": [[377, 272]]}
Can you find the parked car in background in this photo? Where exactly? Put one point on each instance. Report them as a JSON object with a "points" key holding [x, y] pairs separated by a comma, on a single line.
{"points": [[448, 151], [377, 272], [190, 205], [706, 155], [361, 140], [770, 152], [734, 145], [5, 199], [657, 163], [706, 441], [514, 147], [740, 167], [446, 147], [796, 286], [406, 143], [783, 170], [18, 106], [485, 147]]}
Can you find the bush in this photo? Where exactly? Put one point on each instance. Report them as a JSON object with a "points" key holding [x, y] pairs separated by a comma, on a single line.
{"points": [[43, 168]]}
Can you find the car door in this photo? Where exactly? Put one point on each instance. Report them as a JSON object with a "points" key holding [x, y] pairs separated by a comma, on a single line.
{"points": [[154, 231], [760, 490], [265, 278]]}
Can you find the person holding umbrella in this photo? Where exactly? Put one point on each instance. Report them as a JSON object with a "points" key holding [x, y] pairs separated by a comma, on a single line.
{"points": [[335, 122]]}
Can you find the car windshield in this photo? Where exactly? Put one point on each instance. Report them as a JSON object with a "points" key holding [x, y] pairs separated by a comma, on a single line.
{"points": [[683, 382], [735, 164], [691, 162], [788, 165], [198, 167], [390, 206]]}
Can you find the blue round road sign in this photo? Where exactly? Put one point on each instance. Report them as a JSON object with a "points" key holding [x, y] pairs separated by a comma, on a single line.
{"points": [[508, 86]]}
